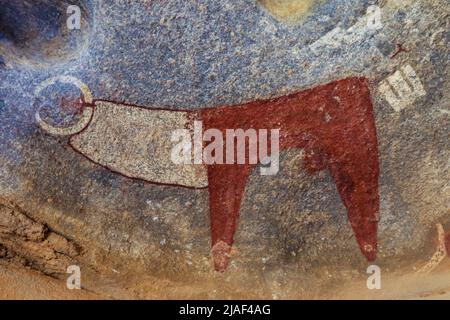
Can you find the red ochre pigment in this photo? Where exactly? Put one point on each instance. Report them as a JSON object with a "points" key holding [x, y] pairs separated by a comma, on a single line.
{"points": [[72, 105], [334, 124]]}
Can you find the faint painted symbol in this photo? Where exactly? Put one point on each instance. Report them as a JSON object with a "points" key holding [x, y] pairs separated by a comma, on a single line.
{"points": [[402, 88], [399, 49]]}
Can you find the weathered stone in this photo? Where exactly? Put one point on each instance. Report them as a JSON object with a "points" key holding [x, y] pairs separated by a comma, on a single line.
{"points": [[33, 243], [293, 238]]}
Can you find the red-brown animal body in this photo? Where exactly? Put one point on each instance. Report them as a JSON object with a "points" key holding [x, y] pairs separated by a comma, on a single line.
{"points": [[334, 124]]}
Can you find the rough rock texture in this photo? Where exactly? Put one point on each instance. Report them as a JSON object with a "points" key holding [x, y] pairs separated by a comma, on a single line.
{"points": [[293, 238], [30, 243]]}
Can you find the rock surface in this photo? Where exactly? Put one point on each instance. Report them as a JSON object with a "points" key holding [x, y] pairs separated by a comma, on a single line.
{"points": [[141, 240]]}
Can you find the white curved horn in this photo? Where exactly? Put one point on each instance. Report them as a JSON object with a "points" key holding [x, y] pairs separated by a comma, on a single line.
{"points": [[87, 111]]}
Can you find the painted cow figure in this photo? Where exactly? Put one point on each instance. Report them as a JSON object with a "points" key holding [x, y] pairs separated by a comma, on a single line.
{"points": [[333, 123]]}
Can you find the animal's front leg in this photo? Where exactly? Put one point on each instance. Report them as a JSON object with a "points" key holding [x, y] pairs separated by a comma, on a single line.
{"points": [[226, 188]]}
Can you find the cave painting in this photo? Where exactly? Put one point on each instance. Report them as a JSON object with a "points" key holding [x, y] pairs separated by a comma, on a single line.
{"points": [[333, 123]]}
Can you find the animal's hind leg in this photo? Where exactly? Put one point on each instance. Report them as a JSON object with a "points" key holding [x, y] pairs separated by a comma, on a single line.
{"points": [[355, 170], [359, 191], [226, 188]]}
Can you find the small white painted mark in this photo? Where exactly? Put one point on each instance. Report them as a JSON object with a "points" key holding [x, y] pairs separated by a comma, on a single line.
{"points": [[402, 88]]}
